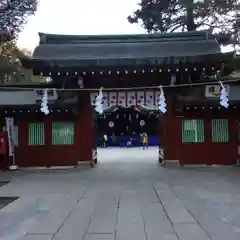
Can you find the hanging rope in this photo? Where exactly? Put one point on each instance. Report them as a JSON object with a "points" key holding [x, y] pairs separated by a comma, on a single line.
{"points": [[125, 88]]}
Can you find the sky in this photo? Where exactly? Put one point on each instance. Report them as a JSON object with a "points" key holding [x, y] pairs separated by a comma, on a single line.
{"points": [[79, 17]]}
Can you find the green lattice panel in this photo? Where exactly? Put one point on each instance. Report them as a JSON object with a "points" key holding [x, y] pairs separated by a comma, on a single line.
{"points": [[220, 130], [192, 131], [63, 133], [15, 136], [36, 134]]}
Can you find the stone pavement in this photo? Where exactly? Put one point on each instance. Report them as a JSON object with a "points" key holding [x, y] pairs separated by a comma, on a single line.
{"points": [[123, 200]]}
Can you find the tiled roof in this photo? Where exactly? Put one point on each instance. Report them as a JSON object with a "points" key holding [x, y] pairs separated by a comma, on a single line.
{"points": [[119, 50]]}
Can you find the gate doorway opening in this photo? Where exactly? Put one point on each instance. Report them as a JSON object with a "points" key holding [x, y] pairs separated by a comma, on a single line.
{"points": [[120, 134]]}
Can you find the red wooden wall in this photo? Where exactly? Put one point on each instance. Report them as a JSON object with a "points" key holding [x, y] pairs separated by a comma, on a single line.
{"points": [[57, 155], [188, 153], [207, 152]]}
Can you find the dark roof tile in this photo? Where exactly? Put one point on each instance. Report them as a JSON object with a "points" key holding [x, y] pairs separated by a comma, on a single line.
{"points": [[124, 50], [137, 50]]}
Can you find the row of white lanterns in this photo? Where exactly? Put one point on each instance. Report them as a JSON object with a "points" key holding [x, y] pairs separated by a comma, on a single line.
{"points": [[126, 72], [36, 111], [204, 107], [67, 110]]}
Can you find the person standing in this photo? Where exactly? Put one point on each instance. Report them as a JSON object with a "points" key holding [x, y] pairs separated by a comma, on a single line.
{"points": [[141, 139], [145, 140], [101, 141], [114, 139], [134, 139], [3, 163], [105, 140], [121, 140]]}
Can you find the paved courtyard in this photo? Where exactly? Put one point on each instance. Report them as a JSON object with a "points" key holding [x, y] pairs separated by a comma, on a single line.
{"points": [[126, 197]]}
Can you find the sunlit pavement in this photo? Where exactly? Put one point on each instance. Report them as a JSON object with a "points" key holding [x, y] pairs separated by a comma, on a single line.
{"points": [[127, 196], [128, 155]]}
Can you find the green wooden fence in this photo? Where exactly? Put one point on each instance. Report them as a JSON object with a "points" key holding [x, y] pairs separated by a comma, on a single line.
{"points": [[63, 133], [220, 130], [192, 131], [36, 134]]}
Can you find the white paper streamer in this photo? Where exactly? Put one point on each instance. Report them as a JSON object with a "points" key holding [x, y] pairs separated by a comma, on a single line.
{"points": [[162, 101], [99, 102], [44, 104], [223, 96]]}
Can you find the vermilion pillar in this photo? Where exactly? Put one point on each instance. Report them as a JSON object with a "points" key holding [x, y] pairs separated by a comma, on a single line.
{"points": [[84, 128], [171, 131], [167, 131]]}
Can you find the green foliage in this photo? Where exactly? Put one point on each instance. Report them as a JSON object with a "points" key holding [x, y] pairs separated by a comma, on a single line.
{"points": [[13, 15], [220, 16], [11, 70]]}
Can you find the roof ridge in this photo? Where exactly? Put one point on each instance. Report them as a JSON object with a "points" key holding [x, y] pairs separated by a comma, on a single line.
{"points": [[121, 43], [46, 38]]}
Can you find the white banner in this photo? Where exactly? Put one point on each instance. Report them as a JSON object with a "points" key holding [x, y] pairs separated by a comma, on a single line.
{"points": [[10, 131], [140, 98], [93, 97], [112, 96], [157, 97], [122, 99], [150, 99], [131, 98], [105, 100]]}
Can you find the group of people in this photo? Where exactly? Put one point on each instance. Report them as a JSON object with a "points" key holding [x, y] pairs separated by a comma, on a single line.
{"points": [[103, 141], [129, 143]]}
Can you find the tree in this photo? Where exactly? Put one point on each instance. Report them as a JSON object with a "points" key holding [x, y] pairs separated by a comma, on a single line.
{"points": [[11, 70], [13, 14], [8, 61], [220, 16]]}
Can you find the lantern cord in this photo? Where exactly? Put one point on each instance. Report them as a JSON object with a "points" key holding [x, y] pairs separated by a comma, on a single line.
{"points": [[124, 88]]}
